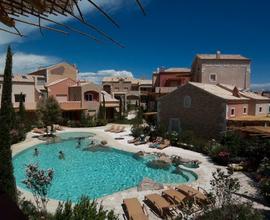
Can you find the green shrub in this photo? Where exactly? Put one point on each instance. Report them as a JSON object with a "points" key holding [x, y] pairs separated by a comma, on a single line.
{"points": [[174, 137], [265, 188], [232, 212], [137, 130], [84, 209], [187, 137]]}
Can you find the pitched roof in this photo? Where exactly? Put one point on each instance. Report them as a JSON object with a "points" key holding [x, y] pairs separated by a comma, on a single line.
{"points": [[217, 91], [126, 79], [58, 81], [221, 57], [41, 70], [244, 93], [175, 70], [20, 78], [145, 82]]}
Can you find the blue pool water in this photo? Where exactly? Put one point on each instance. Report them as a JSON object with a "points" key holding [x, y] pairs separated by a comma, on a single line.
{"points": [[95, 174]]}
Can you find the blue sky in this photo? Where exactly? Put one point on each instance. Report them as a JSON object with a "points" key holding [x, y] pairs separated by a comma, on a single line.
{"points": [[170, 35]]}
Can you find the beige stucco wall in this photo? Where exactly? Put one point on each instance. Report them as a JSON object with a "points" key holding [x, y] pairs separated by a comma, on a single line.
{"points": [[60, 71], [77, 94], [25, 88], [205, 117]]}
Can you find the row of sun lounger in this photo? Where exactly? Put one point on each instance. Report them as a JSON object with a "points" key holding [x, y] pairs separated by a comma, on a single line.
{"points": [[159, 143], [115, 129], [167, 204]]}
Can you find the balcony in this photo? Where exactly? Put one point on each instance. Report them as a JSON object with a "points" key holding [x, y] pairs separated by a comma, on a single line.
{"points": [[165, 90], [71, 106]]}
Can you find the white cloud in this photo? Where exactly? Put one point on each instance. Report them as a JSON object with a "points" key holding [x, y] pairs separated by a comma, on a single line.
{"points": [[85, 6], [260, 86], [25, 63], [99, 75]]}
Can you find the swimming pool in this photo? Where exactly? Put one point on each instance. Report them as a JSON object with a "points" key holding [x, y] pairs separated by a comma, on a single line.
{"points": [[94, 173]]}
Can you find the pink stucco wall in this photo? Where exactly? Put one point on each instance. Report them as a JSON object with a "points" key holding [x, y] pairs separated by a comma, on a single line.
{"points": [[238, 110], [60, 90], [170, 79]]}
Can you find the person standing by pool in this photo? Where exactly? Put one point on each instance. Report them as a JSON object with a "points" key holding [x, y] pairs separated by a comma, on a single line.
{"points": [[61, 155], [36, 152]]}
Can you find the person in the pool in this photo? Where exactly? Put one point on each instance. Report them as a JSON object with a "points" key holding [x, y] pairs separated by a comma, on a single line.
{"points": [[36, 152], [79, 142], [61, 155]]}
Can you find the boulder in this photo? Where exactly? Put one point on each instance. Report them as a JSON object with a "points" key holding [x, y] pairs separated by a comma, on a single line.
{"points": [[148, 184], [138, 155], [104, 142], [158, 164], [166, 159]]}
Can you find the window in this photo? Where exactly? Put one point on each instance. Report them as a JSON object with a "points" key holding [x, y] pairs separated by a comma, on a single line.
{"points": [[88, 97], [116, 88], [260, 109], [41, 81], [174, 125], [213, 77], [187, 102], [245, 110], [232, 111], [18, 97], [126, 88]]}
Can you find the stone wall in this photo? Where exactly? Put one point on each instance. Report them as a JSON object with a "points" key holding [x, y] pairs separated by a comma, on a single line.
{"points": [[206, 115], [231, 72]]}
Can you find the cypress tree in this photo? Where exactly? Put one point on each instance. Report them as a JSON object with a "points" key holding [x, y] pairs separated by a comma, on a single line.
{"points": [[104, 107], [21, 113], [7, 180], [21, 122]]}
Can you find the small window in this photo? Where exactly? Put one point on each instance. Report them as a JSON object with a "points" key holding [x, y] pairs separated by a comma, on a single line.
{"points": [[19, 97], [126, 88], [213, 77], [41, 81], [260, 109], [232, 111], [187, 101], [88, 97], [245, 110]]}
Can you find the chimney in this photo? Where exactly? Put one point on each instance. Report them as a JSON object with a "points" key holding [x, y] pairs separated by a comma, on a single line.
{"points": [[218, 54], [236, 92]]}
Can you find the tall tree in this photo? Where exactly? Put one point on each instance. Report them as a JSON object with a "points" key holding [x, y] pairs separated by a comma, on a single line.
{"points": [[21, 121], [21, 113], [50, 112], [7, 180]]}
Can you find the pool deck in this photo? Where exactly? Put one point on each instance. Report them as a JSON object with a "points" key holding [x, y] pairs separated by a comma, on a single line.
{"points": [[114, 201]]}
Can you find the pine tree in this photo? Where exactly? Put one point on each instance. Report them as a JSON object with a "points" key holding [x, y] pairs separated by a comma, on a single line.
{"points": [[7, 180]]}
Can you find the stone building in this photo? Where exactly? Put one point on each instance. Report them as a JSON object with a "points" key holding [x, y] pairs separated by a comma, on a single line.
{"points": [[222, 68], [206, 109]]}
